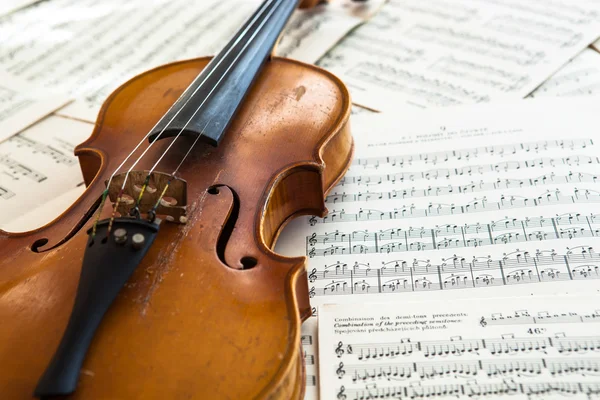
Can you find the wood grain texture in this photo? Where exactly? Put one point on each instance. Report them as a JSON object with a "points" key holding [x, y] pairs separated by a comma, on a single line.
{"points": [[190, 323]]}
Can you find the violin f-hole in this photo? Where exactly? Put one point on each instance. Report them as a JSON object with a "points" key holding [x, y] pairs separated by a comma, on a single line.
{"points": [[246, 262]]}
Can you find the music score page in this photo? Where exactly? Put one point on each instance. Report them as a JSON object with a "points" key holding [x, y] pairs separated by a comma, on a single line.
{"points": [[462, 202], [449, 52], [520, 348], [49, 44], [37, 168]]}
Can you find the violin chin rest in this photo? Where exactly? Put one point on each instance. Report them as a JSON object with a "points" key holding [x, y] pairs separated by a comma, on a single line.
{"points": [[109, 261]]}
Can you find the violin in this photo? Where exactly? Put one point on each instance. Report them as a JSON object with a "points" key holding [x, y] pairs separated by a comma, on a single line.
{"points": [[160, 281]]}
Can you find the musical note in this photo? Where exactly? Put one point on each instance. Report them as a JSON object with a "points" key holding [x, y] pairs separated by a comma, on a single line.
{"points": [[399, 276], [438, 349], [397, 240], [40, 148], [481, 186], [468, 170], [16, 170], [521, 318], [477, 205], [469, 153]]}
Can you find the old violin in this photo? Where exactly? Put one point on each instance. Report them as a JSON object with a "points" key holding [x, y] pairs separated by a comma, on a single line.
{"points": [[160, 281]]}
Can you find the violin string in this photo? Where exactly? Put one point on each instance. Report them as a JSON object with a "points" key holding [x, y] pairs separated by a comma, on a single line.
{"points": [[257, 15], [233, 63], [122, 190], [152, 211]]}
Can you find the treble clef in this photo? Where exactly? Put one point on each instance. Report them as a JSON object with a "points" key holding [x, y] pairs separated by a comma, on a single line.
{"points": [[338, 350], [341, 395], [340, 371], [313, 275], [482, 322], [312, 253], [312, 292], [312, 221], [312, 240]]}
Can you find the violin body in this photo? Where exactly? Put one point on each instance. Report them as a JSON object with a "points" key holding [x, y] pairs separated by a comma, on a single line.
{"points": [[211, 311]]}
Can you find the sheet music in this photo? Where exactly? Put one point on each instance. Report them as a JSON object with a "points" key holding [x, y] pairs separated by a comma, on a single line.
{"points": [[37, 166], [461, 202], [312, 32], [581, 76], [8, 6], [447, 52], [517, 347], [127, 37], [500, 198], [22, 104]]}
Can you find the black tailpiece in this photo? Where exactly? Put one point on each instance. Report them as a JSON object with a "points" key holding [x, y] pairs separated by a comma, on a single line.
{"points": [[107, 265]]}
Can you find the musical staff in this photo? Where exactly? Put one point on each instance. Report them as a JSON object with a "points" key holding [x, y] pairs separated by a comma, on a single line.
{"points": [[401, 276], [469, 170], [458, 346], [467, 368], [438, 349], [522, 317], [505, 231], [470, 389], [15, 170], [473, 187], [40, 148], [467, 154], [477, 205]]}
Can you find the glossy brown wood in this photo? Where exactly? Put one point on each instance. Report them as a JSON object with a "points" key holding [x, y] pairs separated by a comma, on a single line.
{"points": [[309, 3], [188, 324]]}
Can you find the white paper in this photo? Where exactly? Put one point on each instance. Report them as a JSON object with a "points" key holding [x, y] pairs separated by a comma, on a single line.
{"points": [[22, 104], [46, 212], [449, 52], [580, 77], [520, 348], [88, 48], [512, 157], [9, 6], [38, 166], [496, 185]]}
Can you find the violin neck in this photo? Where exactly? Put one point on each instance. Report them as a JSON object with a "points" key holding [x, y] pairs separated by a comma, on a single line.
{"points": [[209, 104]]}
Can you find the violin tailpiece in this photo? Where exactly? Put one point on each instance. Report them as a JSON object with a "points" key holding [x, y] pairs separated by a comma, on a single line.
{"points": [[108, 263]]}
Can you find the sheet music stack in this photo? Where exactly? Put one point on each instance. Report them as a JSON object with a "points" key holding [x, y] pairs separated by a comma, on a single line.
{"points": [[460, 255]]}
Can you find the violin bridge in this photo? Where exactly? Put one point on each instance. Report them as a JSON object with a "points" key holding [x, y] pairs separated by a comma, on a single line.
{"points": [[171, 201]]}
